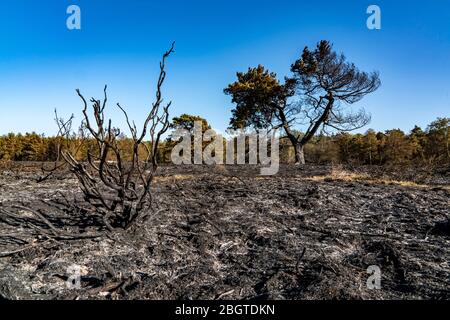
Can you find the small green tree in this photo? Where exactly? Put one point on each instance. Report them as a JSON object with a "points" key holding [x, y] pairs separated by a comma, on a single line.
{"points": [[438, 136], [186, 121], [370, 146], [418, 140], [397, 148]]}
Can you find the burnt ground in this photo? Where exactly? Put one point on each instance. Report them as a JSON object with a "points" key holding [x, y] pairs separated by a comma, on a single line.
{"points": [[228, 233]]}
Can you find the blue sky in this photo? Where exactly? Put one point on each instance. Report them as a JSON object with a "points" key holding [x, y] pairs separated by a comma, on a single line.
{"points": [[120, 44]]}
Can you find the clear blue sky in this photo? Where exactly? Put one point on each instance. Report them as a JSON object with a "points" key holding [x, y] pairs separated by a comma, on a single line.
{"points": [[120, 43]]}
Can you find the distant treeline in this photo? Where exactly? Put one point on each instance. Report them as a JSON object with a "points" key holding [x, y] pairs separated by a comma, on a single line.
{"points": [[395, 147]]}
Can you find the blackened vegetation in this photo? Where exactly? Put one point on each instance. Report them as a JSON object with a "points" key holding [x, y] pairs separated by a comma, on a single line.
{"points": [[115, 190], [228, 233]]}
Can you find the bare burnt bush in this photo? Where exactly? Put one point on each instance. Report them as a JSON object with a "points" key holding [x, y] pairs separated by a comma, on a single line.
{"points": [[115, 189], [115, 175]]}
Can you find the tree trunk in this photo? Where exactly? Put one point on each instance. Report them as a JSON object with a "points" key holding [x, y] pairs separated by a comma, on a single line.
{"points": [[299, 154]]}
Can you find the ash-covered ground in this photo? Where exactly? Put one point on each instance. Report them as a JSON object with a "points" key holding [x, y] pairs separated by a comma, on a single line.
{"points": [[229, 233]]}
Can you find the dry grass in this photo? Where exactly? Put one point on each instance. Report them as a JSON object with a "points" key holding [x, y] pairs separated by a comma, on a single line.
{"points": [[338, 173], [176, 177]]}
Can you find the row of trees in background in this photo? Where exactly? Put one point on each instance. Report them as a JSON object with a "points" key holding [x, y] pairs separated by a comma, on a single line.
{"points": [[393, 147]]}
